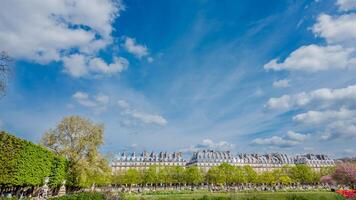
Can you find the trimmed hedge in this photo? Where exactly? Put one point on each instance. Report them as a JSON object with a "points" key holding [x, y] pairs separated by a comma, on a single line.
{"points": [[23, 163], [82, 196]]}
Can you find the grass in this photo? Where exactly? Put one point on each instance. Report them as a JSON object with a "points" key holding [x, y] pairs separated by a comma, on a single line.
{"points": [[237, 196]]}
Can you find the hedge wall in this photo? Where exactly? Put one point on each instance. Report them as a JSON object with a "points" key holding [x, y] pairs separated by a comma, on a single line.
{"points": [[23, 163]]}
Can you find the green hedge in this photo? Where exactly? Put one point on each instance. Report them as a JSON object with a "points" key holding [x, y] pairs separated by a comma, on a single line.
{"points": [[23, 163], [82, 196]]}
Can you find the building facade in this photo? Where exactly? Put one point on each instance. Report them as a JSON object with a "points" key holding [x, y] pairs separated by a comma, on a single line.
{"points": [[206, 159], [315, 161], [144, 160]]}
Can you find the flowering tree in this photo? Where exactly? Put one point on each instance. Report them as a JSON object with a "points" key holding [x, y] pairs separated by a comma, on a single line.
{"points": [[345, 173]]}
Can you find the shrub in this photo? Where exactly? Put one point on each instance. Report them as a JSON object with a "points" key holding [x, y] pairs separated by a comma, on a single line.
{"points": [[23, 163], [82, 196]]}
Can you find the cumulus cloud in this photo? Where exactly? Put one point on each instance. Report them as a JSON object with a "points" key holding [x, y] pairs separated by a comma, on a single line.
{"points": [[208, 144], [339, 53], [337, 30], [98, 102], [45, 28], [136, 49], [346, 5], [100, 66], [78, 65], [49, 31], [334, 123], [313, 58], [322, 117], [329, 112], [143, 117], [345, 128], [283, 83], [290, 139], [321, 97], [336, 114]]}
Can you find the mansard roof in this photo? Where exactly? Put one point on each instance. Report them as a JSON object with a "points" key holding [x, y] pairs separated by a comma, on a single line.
{"points": [[270, 158], [154, 157]]}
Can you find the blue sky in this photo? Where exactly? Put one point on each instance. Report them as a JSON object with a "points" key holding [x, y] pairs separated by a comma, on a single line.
{"points": [[245, 76]]}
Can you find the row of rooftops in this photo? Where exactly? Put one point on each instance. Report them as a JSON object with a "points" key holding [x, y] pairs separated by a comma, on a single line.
{"points": [[225, 156]]}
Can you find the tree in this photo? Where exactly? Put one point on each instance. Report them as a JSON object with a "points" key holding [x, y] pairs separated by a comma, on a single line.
{"points": [[178, 175], [267, 178], [193, 176], [4, 72], [132, 177], [345, 173], [165, 175], [239, 176], [228, 172], [282, 175], [285, 180], [214, 176], [250, 174], [302, 174], [78, 139], [150, 176]]}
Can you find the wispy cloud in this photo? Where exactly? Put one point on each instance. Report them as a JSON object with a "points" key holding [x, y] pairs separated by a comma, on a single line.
{"points": [[98, 102], [208, 144], [143, 117], [290, 139]]}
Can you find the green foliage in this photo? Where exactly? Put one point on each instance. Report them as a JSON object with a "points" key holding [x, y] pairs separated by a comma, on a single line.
{"points": [[23, 163], [267, 178], [132, 177], [250, 174], [150, 176], [78, 139], [82, 196], [302, 174], [193, 175]]}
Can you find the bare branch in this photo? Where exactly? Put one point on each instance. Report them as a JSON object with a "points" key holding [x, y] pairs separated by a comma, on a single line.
{"points": [[4, 72]]}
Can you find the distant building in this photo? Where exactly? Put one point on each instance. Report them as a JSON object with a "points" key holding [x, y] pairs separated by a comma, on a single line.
{"points": [[314, 161], [144, 160], [206, 159]]}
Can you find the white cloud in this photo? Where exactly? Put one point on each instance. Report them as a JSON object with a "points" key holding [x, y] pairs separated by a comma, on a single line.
{"points": [[46, 31], [336, 116], [281, 83], [143, 117], [345, 128], [333, 123], [98, 102], [100, 66], [313, 58], [150, 59], [208, 144], [289, 140], [346, 5], [78, 65], [322, 117], [337, 30], [75, 65], [275, 141], [41, 30], [321, 97], [149, 118], [296, 136], [138, 50]]}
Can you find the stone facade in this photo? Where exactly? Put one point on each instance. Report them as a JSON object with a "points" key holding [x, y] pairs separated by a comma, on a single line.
{"points": [[314, 161], [144, 160], [259, 162], [208, 158]]}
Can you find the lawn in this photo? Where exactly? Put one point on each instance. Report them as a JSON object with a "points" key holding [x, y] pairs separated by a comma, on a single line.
{"points": [[241, 196]]}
